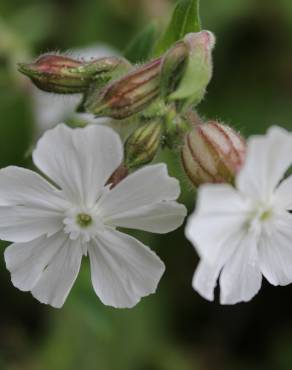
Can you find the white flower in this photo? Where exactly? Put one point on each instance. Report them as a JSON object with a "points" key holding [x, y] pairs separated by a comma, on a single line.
{"points": [[53, 226], [245, 232]]}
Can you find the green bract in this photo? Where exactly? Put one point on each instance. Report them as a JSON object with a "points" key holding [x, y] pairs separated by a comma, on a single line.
{"points": [[198, 71]]}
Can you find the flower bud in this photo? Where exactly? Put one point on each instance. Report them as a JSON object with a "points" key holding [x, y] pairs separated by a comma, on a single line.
{"points": [[212, 153], [127, 95], [143, 144], [198, 70], [63, 75], [173, 67]]}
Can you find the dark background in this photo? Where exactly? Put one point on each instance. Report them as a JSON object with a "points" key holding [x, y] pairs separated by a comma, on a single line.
{"points": [[175, 329]]}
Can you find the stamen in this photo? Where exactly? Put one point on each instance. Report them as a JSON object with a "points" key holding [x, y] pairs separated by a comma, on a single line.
{"points": [[83, 219], [266, 215]]}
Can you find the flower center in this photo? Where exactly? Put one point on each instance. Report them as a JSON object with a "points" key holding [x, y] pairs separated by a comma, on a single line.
{"points": [[83, 219], [82, 223], [263, 212], [266, 215], [260, 216]]}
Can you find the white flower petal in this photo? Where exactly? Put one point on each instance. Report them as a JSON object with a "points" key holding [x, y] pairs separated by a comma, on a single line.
{"points": [[148, 185], [64, 110], [275, 252], [122, 269], [219, 216], [160, 218], [22, 224], [283, 194], [218, 198], [30, 206], [205, 279], [79, 160], [59, 276], [27, 261], [268, 158], [241, 279], [19, 186]]}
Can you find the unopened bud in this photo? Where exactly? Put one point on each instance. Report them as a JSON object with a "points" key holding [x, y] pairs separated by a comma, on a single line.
{"points": [[127, 95], [63, 75], [143, 144], [212, 153], [172, 68], [119, 174], [198, 71]]}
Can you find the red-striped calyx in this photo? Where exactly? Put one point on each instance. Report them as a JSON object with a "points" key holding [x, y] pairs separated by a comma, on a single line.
{"points": [[127, 95], [63, 75], [212, 153]]}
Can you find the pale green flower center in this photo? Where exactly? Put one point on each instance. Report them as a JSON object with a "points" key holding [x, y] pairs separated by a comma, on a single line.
{"points": [[259, 218], [82, 223], [266, 215], [84, 219]]}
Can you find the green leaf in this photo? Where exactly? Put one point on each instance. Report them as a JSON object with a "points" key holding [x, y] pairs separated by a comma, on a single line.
{"points": [[140, 49], [34, 23], [185, 19]]}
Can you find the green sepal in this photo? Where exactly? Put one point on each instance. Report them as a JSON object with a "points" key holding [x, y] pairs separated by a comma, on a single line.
{"points": [[173, 68], [195, 79]]}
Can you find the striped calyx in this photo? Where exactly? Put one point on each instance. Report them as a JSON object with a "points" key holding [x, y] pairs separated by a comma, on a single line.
{"points": [[127, 95], [143, 144], [63, 75], [212, 153]]}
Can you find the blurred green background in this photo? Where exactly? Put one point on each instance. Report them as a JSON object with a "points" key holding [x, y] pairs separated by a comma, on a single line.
{"points": [[175, 329]]}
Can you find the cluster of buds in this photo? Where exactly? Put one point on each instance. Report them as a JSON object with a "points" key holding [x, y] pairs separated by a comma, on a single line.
{"points": [[114, 88], [180, 75], [212, 153]]}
